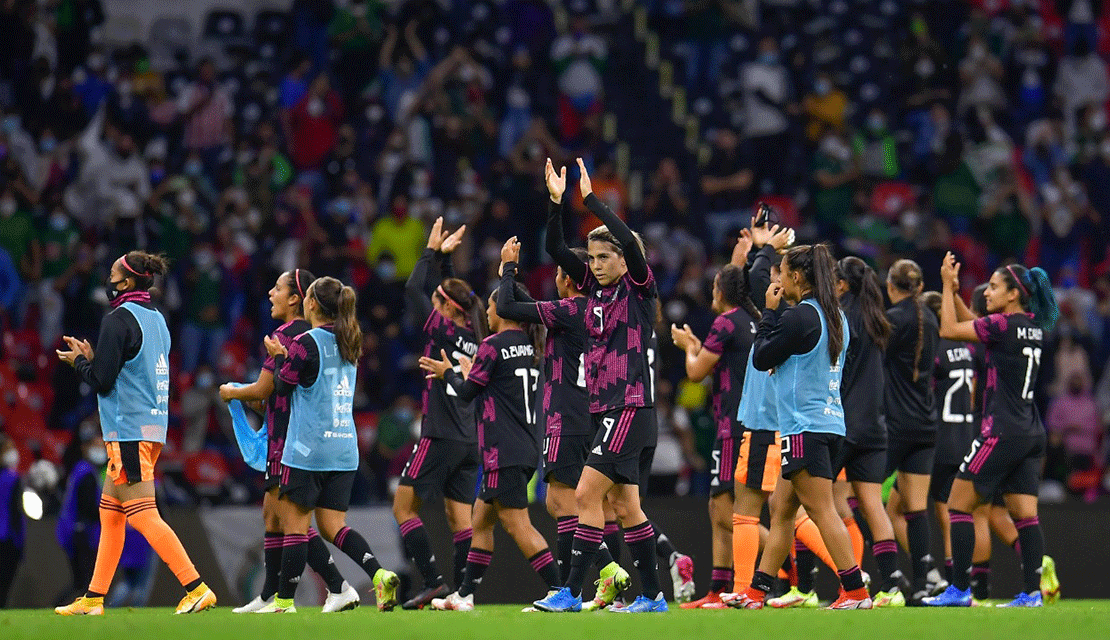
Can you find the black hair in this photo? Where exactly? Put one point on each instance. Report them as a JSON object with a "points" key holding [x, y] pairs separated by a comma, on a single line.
{"points": [[336, 302], [299, 282], [462, 297], [534, 331], [906, 276], [816, 264], [1034, 292], [863, 283], [733, 284], [143, 267], [979, 300]]}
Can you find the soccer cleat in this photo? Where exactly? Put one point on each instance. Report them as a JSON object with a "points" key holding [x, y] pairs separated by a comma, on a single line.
{"points": [[252, 606], [1032, 599], [612, 580], [559, 601], [279, 606], [197, 600], [711, 600], [794, 599], [748, 599], [345, 600], [852, 600], [385, 589], [454, 602], [82, 606], [682, 574], [952, 597], [892, 598], [935, 583], [425, 597], [1050, 583], [644, 604]]}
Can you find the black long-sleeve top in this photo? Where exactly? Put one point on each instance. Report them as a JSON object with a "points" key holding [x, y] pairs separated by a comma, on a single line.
{"points": [[120, 340], [784, 332], [511, 308], [758, 268], [559, 251], [430, 270]]}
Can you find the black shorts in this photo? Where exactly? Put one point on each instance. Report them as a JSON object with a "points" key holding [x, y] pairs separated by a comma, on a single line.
{"points": [[940, 485], [759, 462], [861, 463], [507, 486], [624, 444], [812, 452], [1004, 465], [725, 453], [909, 456], [440, 467], [564, 457], [317, 489]]}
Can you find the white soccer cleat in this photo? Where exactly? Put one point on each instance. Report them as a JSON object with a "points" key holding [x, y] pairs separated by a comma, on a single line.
{"points": [[253, 605], [682, 575], [454, 602], [345, 600]]}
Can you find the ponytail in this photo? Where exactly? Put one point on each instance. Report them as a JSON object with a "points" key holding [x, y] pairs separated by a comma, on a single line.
{"points": [[906, 276], [143, 267], [299, 282], [458, 294], [863, 283], [337, 303], [733, 284], [816, 264], [1034, 292]]}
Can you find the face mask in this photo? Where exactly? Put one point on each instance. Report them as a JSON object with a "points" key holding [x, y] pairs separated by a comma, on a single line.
{"points": [[193, 168], [822, 87], [374, 113], [204, 259], [386, 271], [58, 221], [47, 145], [11, 459], [768, 57], [205, 380], [7, 207], [98, 456], [112, 288], [925, 67], [358, 10], [315, 107]]}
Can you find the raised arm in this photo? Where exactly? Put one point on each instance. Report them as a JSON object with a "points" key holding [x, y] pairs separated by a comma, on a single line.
{"points": [[433, 266], [952, 327], [633, 256], [556, 243], [508, 307]]}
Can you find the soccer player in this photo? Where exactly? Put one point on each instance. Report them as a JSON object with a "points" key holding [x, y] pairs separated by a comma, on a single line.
{"points": [[501, 381], [286, 306], [620, 320], [910, 411], [805, 345], [316, 375], [1009, 451], [131, 375], [445, 460], [724, 354], [863, 457], [568, 429]]}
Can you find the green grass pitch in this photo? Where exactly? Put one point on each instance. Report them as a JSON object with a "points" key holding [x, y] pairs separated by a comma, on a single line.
{"points": [[1087, 619]]}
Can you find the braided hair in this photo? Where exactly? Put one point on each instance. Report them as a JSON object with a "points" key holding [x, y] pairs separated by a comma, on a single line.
{"points": [[816, 264], [906, 276], [733, 284]]}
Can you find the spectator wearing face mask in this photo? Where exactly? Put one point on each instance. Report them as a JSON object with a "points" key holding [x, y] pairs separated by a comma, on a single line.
{"points": [[78, 528], [825, 107], [399, 235], [113, 183], [1073, 423], [835, 170], [12, 523], [767, 105], [206, 110], [1080, 81], [204, 329], [876, 148], [315, 124]]}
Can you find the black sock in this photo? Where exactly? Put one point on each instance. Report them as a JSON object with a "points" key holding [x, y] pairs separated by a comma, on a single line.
{"points": [[1032, 551], [805, 563], [477, 561], [354, 545], [642, 544], [850, 579], [614, 539], [565, 525], [320, 561], [886, 556], [271, 558], [419, 550], [586, 541], [462, 549], [294, 555], [663, 546], [544, 564], [980, 580], [962, 530], [603, 557], [917, 534], [762, 581], [864, 528], [722, 579], [193, 585]]}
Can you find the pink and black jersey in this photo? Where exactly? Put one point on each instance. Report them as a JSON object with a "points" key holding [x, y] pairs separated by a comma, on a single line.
{"points": [[620, 354], [277, 407], [445, 416], [566, 404], [502, 384], [954, 377], [1013, 352], [731, 338]]}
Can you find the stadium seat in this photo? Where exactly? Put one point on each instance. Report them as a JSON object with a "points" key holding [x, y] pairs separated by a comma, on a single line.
{"points": [[169, 41], [121, 29], [271, 26], [207, 472], [225, 25]]}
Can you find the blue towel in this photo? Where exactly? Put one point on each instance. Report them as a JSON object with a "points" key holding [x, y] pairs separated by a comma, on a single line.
{"points": [[252, 444]]}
